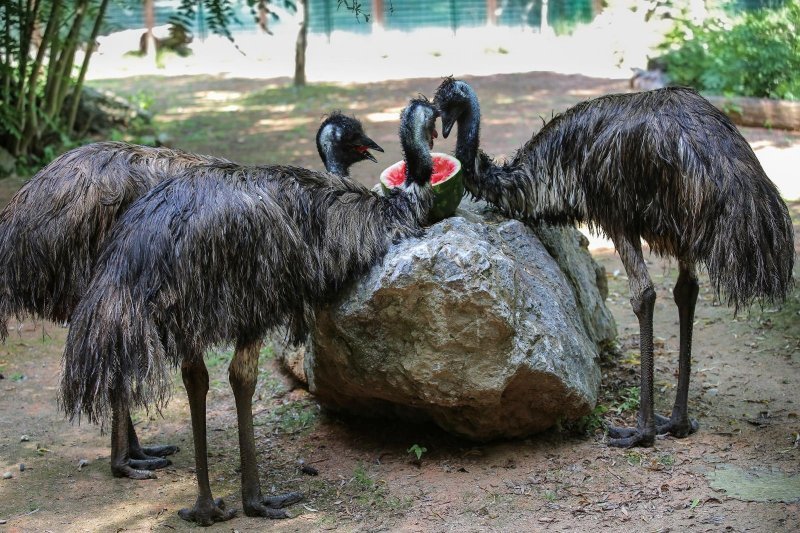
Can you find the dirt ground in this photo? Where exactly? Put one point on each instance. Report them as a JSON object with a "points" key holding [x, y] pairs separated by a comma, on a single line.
{"points": [[740, 472]]}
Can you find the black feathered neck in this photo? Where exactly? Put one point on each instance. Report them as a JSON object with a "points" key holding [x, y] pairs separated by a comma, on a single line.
{"points": [[417, 131]]}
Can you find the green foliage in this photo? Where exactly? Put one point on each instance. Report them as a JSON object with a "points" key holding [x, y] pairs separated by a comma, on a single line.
{"points": [[295, 417], [754, 54], [630, 400], [220, 14], [633, 457], [361, 478], [40, 80], [358, 10], [587, 425], [417, 451]]}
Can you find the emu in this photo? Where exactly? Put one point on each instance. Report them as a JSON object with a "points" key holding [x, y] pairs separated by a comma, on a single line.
{"points": [[224, 253], [665, 166], [53, 229], [341, 142]]}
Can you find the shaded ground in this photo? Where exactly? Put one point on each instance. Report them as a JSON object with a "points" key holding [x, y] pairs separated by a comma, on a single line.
{"points": [[744, 388]]}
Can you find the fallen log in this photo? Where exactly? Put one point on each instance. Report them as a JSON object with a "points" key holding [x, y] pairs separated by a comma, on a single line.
{"points": [[759, 112]]}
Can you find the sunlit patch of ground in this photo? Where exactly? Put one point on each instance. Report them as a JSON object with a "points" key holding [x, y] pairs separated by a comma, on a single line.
{"points": [[745, 374]]}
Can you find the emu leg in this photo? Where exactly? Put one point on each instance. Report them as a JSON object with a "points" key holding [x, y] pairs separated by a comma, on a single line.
{"points": [[139, 458], [242, 374], [121, 463], [206, 509], [643, 301], [685, 293]]}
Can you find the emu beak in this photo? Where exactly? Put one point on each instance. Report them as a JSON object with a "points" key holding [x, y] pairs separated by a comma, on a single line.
{"points": [[447, 124], [367, 144]]}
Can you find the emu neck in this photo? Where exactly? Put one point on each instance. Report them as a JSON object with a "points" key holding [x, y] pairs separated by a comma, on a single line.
{"points": [[419, 165], [469, 132], [326, 146], [334, 166]]}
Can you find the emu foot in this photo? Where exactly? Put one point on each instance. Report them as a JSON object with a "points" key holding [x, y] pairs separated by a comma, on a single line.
{"points": [[677, 428], [206, 512], [622, 437], [158, 451], [149, 463], [133, 470], [272, 506]]}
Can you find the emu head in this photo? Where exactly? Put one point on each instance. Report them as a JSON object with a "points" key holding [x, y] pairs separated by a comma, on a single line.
{"points": [[453, 97], [417, 132], [341, 142]]}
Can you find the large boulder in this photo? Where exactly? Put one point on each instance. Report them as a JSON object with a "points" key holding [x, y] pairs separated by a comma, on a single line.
{"points": [[100, 111], [7, 162], [485, 326]]}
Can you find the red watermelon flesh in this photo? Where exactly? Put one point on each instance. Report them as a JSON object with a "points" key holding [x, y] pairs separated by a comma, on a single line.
{"points": [[442, 169]]}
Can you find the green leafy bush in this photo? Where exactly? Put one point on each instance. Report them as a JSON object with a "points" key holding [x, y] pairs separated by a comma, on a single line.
{"points": [[754, 54]]}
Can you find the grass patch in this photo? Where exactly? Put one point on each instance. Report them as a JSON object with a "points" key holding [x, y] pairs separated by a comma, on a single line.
{"points": [[217, 358], [634, 458], [295, 417], [585, 425], [629, 401], [315, 96], [361, 497]]}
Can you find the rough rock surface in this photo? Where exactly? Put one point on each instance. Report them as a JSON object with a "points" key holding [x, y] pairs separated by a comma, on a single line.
{"points": [[7, 162], [101, 111], [485, 326]]}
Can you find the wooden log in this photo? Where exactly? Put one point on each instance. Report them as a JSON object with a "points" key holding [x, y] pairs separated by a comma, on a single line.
{"points": [[759, 112]]}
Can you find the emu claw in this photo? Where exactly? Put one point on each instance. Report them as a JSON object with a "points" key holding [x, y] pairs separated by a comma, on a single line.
{"points": [[678, 429], [205, 513], [271, 506], [159, 451], [150, 463], [622, 437], [283, 500], [131, 471]]}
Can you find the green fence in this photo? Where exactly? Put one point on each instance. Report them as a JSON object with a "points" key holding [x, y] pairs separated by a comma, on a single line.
{"points": [[326, 16], [453, 14]]}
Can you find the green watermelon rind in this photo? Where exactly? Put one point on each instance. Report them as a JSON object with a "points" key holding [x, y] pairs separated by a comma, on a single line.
{"points": [[447, 194]]}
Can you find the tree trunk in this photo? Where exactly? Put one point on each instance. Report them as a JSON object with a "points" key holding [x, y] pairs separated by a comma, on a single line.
{"points": [[56, 93], [263, 16], [7, 64], [300, 48], [31, 11], [76, 95], [377, 14], [491, 12], [30, 119], [545, 24], [149, 22]]}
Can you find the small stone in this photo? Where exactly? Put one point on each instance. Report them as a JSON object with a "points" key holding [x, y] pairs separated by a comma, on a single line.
{"points": [[309, 470], [82, 463], [22, 467], [24, 438], [8, 475]]}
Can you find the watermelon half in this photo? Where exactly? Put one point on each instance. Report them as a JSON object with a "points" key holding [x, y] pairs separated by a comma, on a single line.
{"points": [[448, 187]]}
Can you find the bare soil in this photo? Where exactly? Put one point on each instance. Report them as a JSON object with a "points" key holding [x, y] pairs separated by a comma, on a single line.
{"points": [[744, 384]]}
